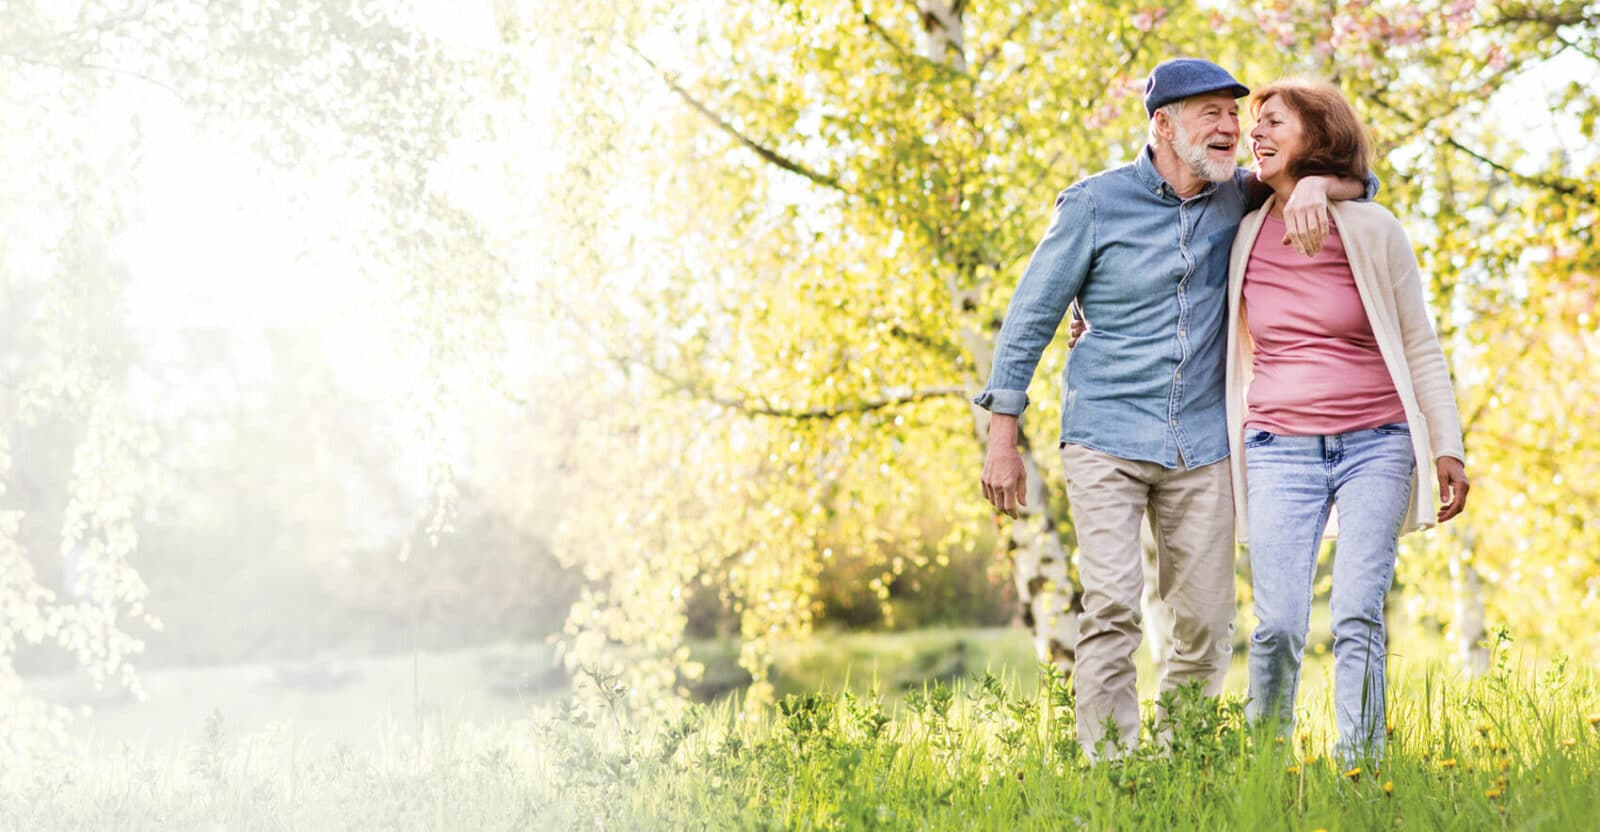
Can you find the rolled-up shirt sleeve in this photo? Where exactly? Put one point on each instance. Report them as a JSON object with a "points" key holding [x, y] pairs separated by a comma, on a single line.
{"points": [[1054, 276]]}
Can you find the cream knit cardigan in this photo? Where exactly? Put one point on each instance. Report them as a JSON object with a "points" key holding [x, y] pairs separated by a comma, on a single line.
{"points": [[1390, 285]]}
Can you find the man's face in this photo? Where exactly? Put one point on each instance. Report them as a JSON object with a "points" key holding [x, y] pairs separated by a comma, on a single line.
{"points": [[1206, 135]]}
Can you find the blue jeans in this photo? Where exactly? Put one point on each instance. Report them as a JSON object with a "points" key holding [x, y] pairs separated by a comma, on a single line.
{"points": [[1293, 482]]}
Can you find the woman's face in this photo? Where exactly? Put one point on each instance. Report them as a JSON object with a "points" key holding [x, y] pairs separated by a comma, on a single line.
{"points": [[1275, 140]]}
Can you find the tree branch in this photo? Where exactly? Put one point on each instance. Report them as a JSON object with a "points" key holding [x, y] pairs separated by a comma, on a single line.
{"points": [[941, 347], [759, 406], [1549, 457], [1587, 53], [1560, 186], [767, 154], [877, 29], [848, 409], [1489, 393], [983, 62], [777, 159], [82, 65], [1525, 14], [112, 22], [1563, 186]]}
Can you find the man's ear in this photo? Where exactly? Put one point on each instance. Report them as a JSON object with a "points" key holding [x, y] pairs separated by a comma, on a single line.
{"points": [[1161, 122]]}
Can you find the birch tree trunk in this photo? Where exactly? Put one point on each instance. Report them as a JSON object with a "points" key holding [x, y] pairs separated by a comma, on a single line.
{"points": [[1044, 586], [1471, 634], [1045, 592], [1158, 615]]}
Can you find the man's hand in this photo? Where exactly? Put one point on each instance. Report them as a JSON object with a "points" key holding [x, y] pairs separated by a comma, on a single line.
{"points": [[1005, 481], [1453, 487], [1306, 215]]}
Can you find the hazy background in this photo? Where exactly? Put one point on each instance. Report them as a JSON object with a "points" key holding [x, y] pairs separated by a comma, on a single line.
{"points": [[369, 362]]}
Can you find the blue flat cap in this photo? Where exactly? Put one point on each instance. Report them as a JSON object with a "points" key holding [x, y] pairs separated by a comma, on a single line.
{"points": [[1183, 77]]}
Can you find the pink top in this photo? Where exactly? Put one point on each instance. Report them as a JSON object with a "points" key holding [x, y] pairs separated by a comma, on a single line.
{"points": [[1317, 367]]}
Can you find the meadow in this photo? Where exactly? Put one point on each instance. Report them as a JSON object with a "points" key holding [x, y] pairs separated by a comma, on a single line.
{"points": [[853, 743]]}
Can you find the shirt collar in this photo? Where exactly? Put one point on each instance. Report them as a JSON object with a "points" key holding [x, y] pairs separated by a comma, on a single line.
{"points": [[1156, 184]]}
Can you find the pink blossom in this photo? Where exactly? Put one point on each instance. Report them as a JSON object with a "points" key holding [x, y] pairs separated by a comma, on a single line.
{"points": [[1407, 35], [1458, 17]]}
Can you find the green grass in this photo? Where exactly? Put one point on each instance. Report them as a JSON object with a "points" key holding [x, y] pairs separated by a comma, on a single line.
{"points": [[1519, 749]]}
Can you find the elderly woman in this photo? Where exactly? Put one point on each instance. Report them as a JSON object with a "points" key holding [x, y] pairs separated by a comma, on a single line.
{"points": [[1338, 397]]}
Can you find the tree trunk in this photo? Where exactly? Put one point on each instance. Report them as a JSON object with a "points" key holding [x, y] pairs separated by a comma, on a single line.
{"points": [[1039, 562], [943, 32], [1158, 615], [1471, 635], [1044, 587], [1045, 592]]}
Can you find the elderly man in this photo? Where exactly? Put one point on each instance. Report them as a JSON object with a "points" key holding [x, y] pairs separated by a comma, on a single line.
{"points": [[1143, 249]]}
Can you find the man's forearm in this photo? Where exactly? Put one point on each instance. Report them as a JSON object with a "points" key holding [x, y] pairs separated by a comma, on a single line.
{"points": [[1002, 430]]}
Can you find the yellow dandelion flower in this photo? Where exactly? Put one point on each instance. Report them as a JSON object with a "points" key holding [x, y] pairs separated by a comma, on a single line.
{"points": [[1354, 774], [1594, 719], [1277, 740], [1310, 758], [1491, 793], [1292, 770], [1505, 765], [1388, 787], [1448, 762], [1484, 728], [1569, 742]]}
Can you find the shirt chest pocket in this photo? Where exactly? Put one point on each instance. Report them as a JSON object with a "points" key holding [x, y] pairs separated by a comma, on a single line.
{"points": [[1212, 262]]}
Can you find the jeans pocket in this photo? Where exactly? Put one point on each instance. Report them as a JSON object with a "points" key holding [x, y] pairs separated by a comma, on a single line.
{"points": [[1394, 429], [1257, 438]]}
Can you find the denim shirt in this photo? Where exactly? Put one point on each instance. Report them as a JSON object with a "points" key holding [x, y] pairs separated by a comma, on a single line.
{"points": [[1151, 272]]}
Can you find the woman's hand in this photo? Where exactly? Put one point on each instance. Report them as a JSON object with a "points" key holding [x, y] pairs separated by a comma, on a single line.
{"points": [[1075, 330], [1453, 487]]}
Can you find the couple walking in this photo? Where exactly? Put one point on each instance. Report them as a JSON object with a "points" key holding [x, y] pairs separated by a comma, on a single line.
{"points": [[1230, 319]]}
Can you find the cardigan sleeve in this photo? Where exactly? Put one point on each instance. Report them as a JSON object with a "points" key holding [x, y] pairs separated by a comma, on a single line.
{"points": [[1430, 375]]}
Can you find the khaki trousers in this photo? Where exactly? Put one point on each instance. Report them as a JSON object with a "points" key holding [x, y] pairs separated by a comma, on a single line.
{"points": [[1191, 514]]}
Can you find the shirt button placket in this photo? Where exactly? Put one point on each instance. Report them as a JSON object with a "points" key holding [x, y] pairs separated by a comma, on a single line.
{"points": [[1176, 396]]}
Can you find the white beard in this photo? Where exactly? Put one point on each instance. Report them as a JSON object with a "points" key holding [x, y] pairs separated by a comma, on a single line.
{"points": [[1198, 160]]}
